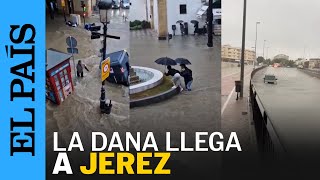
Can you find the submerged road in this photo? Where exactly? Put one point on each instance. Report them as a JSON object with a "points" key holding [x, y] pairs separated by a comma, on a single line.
{"points": [[194, 111], [293, 105]]}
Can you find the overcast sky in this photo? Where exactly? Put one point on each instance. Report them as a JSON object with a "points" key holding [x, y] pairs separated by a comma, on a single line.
{"points": [[290, 27]]}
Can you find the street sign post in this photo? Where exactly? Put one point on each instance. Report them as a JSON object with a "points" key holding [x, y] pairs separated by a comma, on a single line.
{"points": [[105, 69], [73, 50], [72, 43]]}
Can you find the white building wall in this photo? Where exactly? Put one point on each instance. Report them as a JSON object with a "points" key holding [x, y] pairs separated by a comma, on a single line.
{"points": [[137, 10], [173, 11], [156, 18], [149, 10]]}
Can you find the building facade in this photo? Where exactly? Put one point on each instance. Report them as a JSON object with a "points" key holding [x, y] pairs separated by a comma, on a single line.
{"points": [[281, 56], [164, 14], [314, 63], [233, 54], [73, 6]]}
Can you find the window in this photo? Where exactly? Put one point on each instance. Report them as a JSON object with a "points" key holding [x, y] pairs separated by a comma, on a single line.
{"points": [[183, 9], [64, 78]]}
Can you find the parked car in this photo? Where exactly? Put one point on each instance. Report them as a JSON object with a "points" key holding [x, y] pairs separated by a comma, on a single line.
{"points": [[270, 79], [115, 4], [125, 4]]}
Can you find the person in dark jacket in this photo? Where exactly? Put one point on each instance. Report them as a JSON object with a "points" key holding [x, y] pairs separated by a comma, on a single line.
{"points": [[171, 71], [182, 29], [186, 73], [80, 67], [196, 28]]}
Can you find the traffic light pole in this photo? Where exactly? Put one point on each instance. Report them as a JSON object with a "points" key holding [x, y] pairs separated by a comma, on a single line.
{"points": [[105, 108], [103, 5], [103, 91]]}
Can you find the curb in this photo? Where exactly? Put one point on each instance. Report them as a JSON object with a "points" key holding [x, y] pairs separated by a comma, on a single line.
{"points": [[155, 99], [312, 73]]}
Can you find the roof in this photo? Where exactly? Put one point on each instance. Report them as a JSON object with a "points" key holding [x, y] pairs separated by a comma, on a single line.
{"points": [[202, 10], [55, 57], [117, 57]]}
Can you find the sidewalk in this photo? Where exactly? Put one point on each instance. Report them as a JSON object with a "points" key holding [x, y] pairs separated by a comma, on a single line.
{"points": [[236, 118]]}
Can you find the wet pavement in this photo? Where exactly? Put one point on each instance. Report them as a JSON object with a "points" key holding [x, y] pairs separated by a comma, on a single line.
{"points": [[235, 113], [195, 111], [293, 107], [180, 112], [80, 112], [230, 73]]}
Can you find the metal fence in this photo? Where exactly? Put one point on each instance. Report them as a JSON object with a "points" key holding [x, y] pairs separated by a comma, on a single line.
{"points": [[267, 138]]}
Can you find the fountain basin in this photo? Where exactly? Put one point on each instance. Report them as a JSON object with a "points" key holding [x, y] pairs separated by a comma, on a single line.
{"points": [[149, 77]]}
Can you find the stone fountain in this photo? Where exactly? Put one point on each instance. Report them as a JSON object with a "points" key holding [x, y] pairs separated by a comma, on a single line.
{"points": [[144, 78]]}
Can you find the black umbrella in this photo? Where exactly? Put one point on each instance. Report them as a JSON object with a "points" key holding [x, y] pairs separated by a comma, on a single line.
{"points": [[182, 61], [166, 61], [180, 21], [194, 22]]}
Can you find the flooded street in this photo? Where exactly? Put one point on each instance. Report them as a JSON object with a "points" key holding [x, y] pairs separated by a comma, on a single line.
{"points": [[80, 112], [190, 112]]}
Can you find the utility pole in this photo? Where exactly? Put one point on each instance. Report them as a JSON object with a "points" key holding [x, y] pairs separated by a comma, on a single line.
{"points": [[210, 21], [255, 46], [243, 45], [264, 43]]}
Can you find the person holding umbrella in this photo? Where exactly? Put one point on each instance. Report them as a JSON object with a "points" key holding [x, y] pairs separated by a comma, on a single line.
{"points": [[196, 26], [176, 80], [181, 27], [176, 77], [166, 61], [171, 71], [186, 73]]}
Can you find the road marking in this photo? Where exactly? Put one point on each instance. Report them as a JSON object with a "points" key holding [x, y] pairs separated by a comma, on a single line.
{"points": [[228, 99]]}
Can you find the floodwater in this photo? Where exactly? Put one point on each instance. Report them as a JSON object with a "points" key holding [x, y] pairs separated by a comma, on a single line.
{"points": [[80, 112], [190, 112], [293, 107]]}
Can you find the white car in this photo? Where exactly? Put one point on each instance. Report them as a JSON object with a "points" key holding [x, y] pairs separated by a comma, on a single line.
{"points": [[125, 4], [270, 79]]}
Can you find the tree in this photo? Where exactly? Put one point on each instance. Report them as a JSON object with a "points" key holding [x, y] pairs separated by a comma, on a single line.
{"points": [[267, 61], [260, 59], [278, 60]]}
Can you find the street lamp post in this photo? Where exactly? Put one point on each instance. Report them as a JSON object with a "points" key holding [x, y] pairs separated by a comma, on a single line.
{"points": [[267, 52], [243, 45], [255, 46], [104, 6], [104, 49]]}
